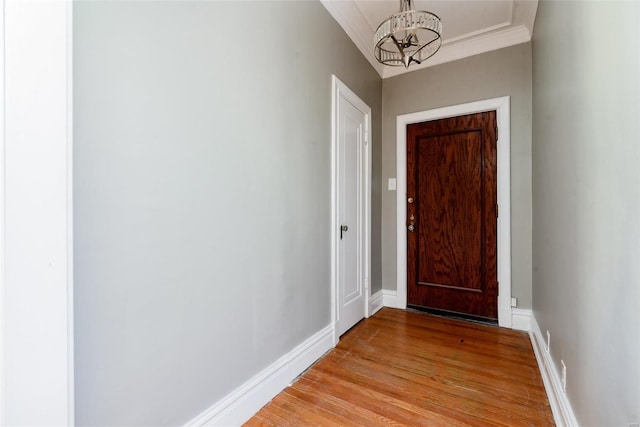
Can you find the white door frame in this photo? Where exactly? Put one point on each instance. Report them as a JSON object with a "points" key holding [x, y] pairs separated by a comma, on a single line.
{"points": [[502, 107], [339, 89], [36, 209]]}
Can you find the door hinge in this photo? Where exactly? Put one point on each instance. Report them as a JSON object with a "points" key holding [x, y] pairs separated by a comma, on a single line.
{"points": [[366, 138], [496, 133], [497, 210]]}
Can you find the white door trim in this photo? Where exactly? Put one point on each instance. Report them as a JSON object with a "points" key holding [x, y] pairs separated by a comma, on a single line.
{"points": [[340, 89], [502, 107], [36, 213]]}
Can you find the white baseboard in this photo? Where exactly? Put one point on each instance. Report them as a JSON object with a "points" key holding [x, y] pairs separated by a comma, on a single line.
{"points": [[521, 319], [389, 298], [375, 303], [241, 404], [560, 405]]}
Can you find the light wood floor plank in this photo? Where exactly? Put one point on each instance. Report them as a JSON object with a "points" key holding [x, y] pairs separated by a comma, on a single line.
{"points": [[406, 368]]}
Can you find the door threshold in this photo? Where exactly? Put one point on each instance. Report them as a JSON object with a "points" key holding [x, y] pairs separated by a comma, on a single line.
{"points": [[454, 315]]}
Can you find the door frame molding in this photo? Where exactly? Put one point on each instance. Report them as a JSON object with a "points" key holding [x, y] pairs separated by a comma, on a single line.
{"points": [[36, 256], [502, 107], [338, 89]]}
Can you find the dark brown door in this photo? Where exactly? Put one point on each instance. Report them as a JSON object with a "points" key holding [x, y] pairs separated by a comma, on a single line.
{"points": [[452, 215]]}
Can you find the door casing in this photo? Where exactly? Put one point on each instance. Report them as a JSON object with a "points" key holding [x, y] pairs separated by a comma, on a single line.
{"points": [[502, 107], [340, 89]]}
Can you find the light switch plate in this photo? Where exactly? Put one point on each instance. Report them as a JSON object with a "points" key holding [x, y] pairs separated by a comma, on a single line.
{"points": [[392, 183]]}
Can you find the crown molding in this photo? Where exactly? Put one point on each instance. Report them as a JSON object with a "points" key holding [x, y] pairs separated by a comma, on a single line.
{"points": [[348, 15], [525, 14], [516, 31], [473, 46]]}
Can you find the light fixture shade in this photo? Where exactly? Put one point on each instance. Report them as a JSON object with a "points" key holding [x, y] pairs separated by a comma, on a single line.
{"points": [[408, 36]]}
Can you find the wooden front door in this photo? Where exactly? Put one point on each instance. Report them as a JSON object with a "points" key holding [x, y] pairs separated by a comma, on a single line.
{"points": [[452, 215]]}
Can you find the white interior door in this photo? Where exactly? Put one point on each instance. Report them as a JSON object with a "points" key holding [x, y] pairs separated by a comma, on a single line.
{"points": [[352, 187]]}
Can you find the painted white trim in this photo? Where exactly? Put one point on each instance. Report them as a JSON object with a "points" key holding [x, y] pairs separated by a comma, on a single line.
{"points": [[561, 408], [376, 302], [36, 225], [521, 319], [3, 322], [502, 107], [481, 43], [242, 403], [338, 89], [390, 299], [70, 266], [525, 13], [334, 209], [368, 172], [518, 29]]}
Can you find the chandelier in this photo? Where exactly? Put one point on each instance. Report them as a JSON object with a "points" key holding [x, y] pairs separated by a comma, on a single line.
{"points": [[408, 36]]}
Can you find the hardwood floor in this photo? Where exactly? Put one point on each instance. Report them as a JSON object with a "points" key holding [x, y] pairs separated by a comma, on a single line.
{"points": [[414, 369]]}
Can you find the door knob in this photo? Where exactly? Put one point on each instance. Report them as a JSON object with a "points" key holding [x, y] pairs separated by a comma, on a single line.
{"points": [[343, 228], [411, 227]]}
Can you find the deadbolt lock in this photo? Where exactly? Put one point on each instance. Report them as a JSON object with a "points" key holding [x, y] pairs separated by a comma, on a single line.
{"points": [[410, 200]]}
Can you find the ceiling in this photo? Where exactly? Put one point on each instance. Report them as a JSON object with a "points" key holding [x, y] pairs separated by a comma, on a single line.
{"points": [[469, 27]]}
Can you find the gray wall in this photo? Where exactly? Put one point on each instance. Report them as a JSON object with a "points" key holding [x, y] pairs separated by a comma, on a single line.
{"points": [[202, 196], [490, 75], [586, 202]]}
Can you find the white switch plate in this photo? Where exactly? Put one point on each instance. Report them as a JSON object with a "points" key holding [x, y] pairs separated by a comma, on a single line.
{"points": [[514, 302], [392, 183]]}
